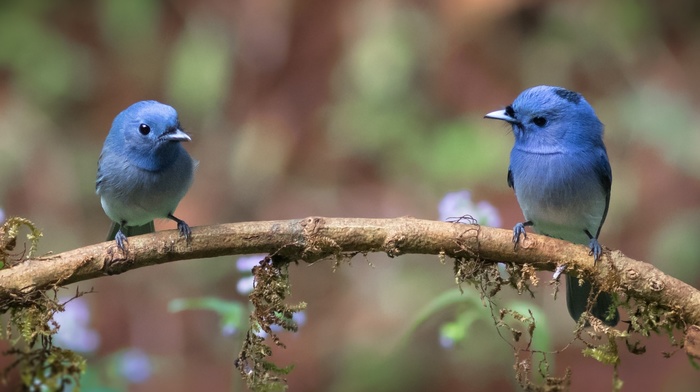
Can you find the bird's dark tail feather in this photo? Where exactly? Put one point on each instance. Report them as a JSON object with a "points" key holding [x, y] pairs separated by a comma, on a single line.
{"points": [[131, 230], [577, 301]]}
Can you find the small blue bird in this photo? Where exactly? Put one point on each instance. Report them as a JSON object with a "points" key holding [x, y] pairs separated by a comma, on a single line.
{"points": [[561, 176], [143, 171]]}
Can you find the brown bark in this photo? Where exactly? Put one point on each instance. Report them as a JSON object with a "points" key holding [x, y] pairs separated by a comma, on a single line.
{"points": [[315, 238]]}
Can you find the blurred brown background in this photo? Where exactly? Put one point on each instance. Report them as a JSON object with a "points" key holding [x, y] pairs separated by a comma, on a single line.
{"points": [[346, 108]]}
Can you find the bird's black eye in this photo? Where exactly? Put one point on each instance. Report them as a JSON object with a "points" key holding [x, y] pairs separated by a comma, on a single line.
{"points": [[539, 121], [144, 129]]}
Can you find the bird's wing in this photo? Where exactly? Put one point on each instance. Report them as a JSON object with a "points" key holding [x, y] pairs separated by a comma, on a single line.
{"points": [[98, 181], [510, 179], [604, 174]]}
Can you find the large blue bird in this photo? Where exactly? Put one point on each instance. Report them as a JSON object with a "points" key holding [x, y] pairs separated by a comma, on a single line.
{"points": [[143, 171], [561, 176]]}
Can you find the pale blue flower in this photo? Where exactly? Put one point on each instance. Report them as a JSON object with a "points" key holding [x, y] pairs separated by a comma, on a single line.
{"points": [[245, 285], [228, 329], [298, 317], [74, 332], [135, 366], [456, 205], [446, 341], [246, 263]]}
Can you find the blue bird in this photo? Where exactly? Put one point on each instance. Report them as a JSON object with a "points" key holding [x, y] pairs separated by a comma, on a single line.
{"points": [[143, 171], [561, 176]]}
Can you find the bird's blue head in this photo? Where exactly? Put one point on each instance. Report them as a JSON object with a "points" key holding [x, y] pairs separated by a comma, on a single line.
{"points": [[547, 119], [148, 134]]}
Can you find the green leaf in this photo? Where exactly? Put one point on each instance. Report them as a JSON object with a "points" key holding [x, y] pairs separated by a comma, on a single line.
{"points": [[230, 312], [443, 301], [201, 67]]}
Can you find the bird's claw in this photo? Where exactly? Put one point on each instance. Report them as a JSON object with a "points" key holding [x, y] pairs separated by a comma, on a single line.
{"points": [[122, 242], [184, 230], [519, 230], [182, 227], [114, 265], [596, 249]]}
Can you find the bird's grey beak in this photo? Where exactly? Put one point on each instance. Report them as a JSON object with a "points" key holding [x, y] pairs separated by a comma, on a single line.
{"points": [[501, 115], [176, 136]]}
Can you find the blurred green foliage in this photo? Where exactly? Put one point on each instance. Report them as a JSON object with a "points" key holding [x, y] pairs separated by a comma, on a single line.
{"points": [[379, 110], [576, 38], [383, 107], [131, 27], [230, 312], [46, 66], [676, 246], [201, 67], [667, 120]]}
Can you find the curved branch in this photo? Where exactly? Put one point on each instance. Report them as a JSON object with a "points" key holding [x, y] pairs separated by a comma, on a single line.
{"points": [[315, 238]]}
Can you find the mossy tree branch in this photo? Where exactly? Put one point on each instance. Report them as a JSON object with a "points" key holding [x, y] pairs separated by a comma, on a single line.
{"points": [[315, 238]]}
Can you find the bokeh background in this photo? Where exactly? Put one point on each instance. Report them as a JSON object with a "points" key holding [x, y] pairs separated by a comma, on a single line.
{"points": [[364, 108]]}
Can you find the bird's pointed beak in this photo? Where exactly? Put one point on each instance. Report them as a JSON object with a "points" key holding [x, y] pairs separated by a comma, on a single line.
{"points": [[501, 115], [176, 135]]}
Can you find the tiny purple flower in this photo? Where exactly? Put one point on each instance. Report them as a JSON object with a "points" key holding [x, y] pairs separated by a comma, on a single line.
{"points": [[246, 263], [2, 215], [228, 329], [245, 285], [135, 366], [446, 341], [455, 205], [299, 318], [74, 332], [261, 333]]}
